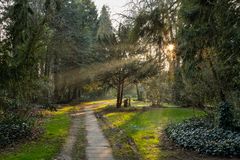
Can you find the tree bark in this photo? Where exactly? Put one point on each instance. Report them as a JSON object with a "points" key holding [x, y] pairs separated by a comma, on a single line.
{"points": [[118, 105], [177, 81], [56, 79], [216, 77], [120, 88], [121, 98], [138, 93]]}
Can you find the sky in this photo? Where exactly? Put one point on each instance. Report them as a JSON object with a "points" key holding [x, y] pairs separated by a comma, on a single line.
{"points": [[116, 6]]}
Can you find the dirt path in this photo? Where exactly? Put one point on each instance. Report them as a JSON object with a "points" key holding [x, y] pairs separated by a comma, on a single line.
{"points": [[67, 150], [97, 148]]}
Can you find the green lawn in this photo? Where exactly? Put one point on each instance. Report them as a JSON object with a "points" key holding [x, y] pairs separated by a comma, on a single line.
{"points": [[145, 127], [56, 127]]}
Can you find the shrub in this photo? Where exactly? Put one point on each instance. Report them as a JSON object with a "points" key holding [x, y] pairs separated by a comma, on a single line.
{"points": [[14, 128], [201, 136], [225, 116]]}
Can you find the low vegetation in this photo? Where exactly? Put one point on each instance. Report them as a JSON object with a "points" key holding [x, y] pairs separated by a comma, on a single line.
{"points": [[56, 126], [15, 129], [140, 130], [200, 135]]}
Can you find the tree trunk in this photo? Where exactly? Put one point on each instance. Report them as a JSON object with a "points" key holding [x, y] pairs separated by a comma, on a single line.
{"points": [[118, 105], [138, 93], [47, 65], [216, 77], [56, 80], [177, 81], [120, 94], [122, 87]]}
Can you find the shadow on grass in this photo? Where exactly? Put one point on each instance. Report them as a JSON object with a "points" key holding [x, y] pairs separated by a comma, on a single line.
{"points": [[145, 130]]}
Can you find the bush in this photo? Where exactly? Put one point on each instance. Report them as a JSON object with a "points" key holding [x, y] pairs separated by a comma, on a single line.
{"points": [[201, 136], [225, 116], [13, 129]]}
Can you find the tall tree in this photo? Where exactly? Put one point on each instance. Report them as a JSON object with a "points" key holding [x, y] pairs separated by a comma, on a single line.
{"points": [[73, 46], [25, 27], [156, 22], [105, 33], [126, 66], [209, 40]]}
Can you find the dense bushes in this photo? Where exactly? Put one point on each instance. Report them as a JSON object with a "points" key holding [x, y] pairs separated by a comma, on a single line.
{"points": [[201, 136], [13, 129], [225, 116]]}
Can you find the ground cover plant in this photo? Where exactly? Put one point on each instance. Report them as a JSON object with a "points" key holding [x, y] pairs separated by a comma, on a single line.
{"points": [[201, 135], [15, 129], [56, 126]]}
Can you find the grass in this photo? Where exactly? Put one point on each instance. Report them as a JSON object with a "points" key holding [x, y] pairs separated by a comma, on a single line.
{"points": [[144, 128], [56, 127]]}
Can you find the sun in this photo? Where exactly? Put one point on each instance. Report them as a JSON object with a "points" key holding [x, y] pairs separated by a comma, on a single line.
{"points": [[171, 47]]}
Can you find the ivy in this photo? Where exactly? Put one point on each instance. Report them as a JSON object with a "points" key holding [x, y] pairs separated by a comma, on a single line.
{"points": [[13, 129], [200, 135]]}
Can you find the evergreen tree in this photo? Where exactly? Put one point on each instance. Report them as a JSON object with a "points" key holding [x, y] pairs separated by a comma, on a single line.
{"points": [[118, 49], [209, 40], [25, 28], [73, 46], [105, 33]]}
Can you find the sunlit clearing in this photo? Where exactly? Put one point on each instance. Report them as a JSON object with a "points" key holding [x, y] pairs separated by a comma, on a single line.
{"points": [[64, 110]]}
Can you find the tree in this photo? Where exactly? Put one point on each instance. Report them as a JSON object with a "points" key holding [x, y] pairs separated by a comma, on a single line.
{"points": [[123, 53], [156, 23], [73, 47], [105, 33], [26, 30], [209, 40]]}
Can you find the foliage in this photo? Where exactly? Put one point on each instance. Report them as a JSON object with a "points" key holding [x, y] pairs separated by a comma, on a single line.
{"points": [[158, 90], [23, 83], [14, 129], [200, 135], [105, 33], [225, 116], [22, 47], [122, 54], [208, 43], [72, 48], [155, 23], [56, 127]]}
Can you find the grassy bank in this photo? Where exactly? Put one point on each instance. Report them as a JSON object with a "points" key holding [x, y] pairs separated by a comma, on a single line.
{"points": [[56, 126], [143, 130]]}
